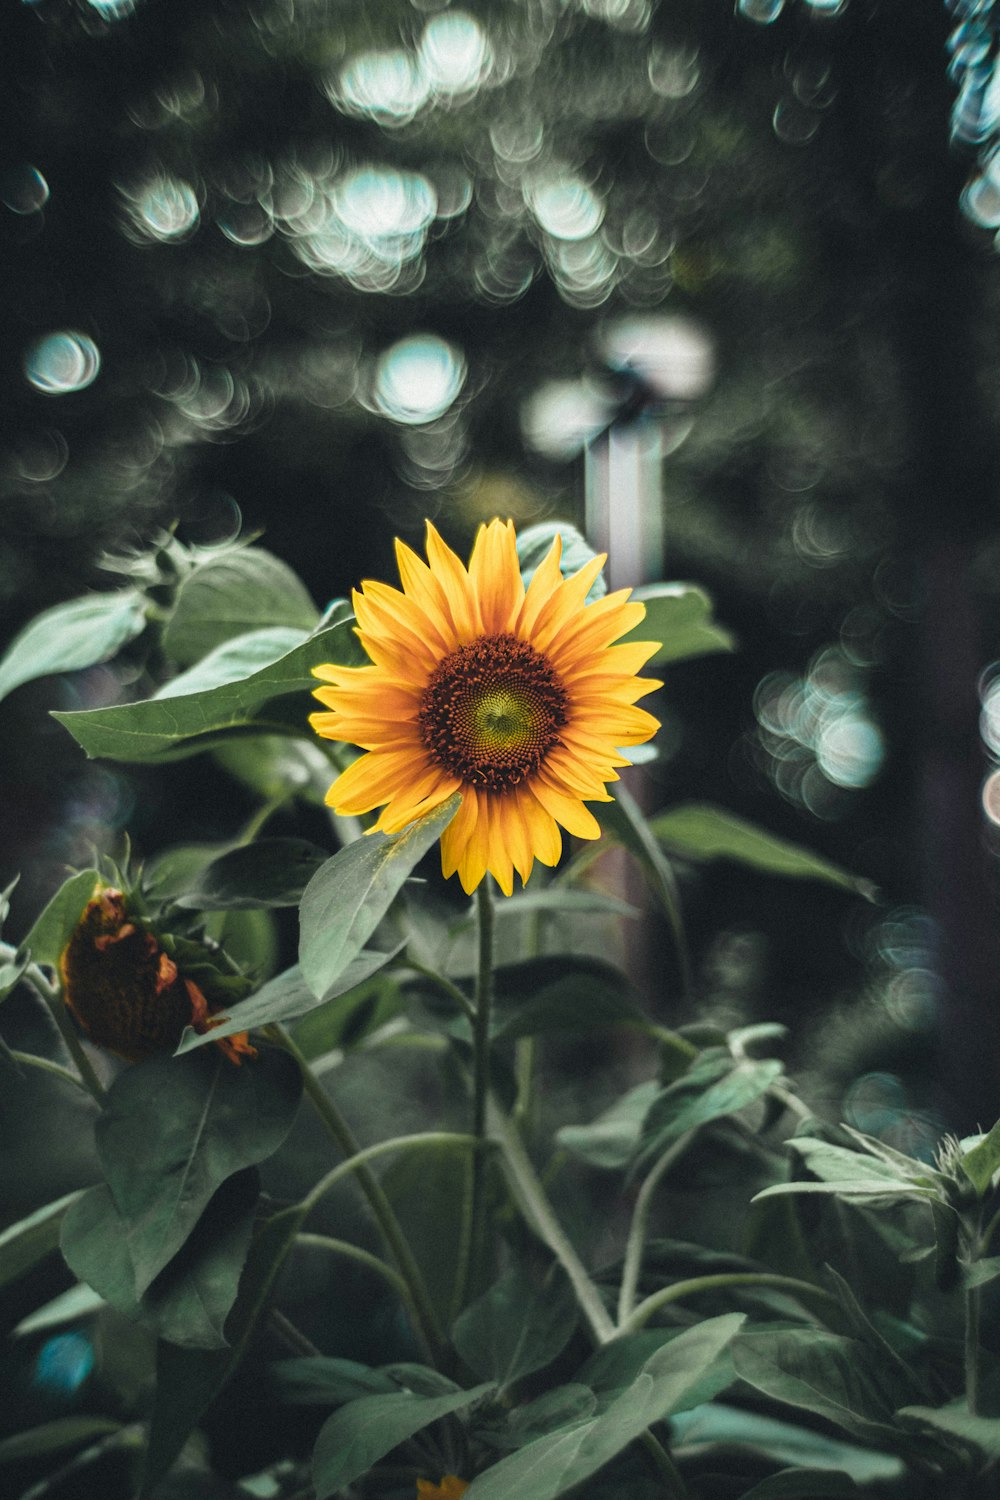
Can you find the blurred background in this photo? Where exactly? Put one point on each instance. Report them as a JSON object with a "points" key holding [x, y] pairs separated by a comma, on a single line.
{"points": [[716, 282]]}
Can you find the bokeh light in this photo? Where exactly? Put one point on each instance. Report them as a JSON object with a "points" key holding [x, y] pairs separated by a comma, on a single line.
{"points": [[816, 737], [418, 379], [161, 208], [63, 1363], [762, 11], [23, 189], [455, 53], [564, 205], [62, 362]]}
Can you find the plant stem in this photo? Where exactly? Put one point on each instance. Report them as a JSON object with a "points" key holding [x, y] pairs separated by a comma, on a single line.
{"points": [[361, 1257], [425, 1317], [973, 1320], [30, 1060], [474, 1228], [537, 1210], [973, 1309], [443, 985], [51, 995], [803, 1290], [673, 1484], [293, 1336], [640, 1220]]}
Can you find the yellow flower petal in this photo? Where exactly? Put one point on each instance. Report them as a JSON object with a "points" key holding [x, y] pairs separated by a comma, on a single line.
{"points": [[462, 604], [496, 577]]}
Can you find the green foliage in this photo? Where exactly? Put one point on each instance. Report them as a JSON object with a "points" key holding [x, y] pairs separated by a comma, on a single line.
{"points": [[516, 1327], [227, 596], [534, 543], [188, 1380], [50, 932], [346, 900], [699, 832], [71, 636], [287, 997], [189, 1298], [24, 1243], [55, 1437], [715, 1085], [852, 1295], [837, 1378], [219, 698], [268, 873], [679, 616], [552, 1465], [199, 1122], [363, 1431]]}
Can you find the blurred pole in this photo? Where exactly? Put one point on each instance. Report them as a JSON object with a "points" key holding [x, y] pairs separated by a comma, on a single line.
{"points": [[624, 518], [624, 504]]}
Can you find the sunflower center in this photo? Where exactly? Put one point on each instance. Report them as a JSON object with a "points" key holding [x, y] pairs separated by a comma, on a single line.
{"points": [[492, 711]]}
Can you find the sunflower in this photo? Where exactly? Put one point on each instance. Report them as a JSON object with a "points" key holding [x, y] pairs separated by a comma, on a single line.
{"points": [[515, 697], [125, 990]]}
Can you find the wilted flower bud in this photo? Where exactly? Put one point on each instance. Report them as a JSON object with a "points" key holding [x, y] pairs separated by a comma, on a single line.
{"points": [[126, 991]]}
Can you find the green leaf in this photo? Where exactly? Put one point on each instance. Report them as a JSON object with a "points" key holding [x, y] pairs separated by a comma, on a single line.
{"points": [[697, 1097], [12, 972], [233, 661], [516, 1327], [70, 636], [623, 821], [323, 1381], [981, 1162], [832, 1163], [833, 1377], [956, 1421], [805, 1484], [71, 1306], [610, 1140], [679, 615], [172, 1130], [613, 1367], [22, 1245], [533, 546], [55, 1437], [276, 767], [267, 873], [230, 594], [563, 1406], [561, 900], [188, 1380], [698, 831], [557, 1462], [703, 1428], [54, 925], [981, 1272], [578, 1002], [286, 997], [347, 899], [219, 697], [427, 1187], [364, 1431], [189, 1300]]}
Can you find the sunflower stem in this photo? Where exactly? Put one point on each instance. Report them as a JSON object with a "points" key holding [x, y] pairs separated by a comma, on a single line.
{"points": [[804, 1291], [337, 1127], [51, 995], [443, 985], [531, 1198], [474, 1230], [636, 1242]]}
